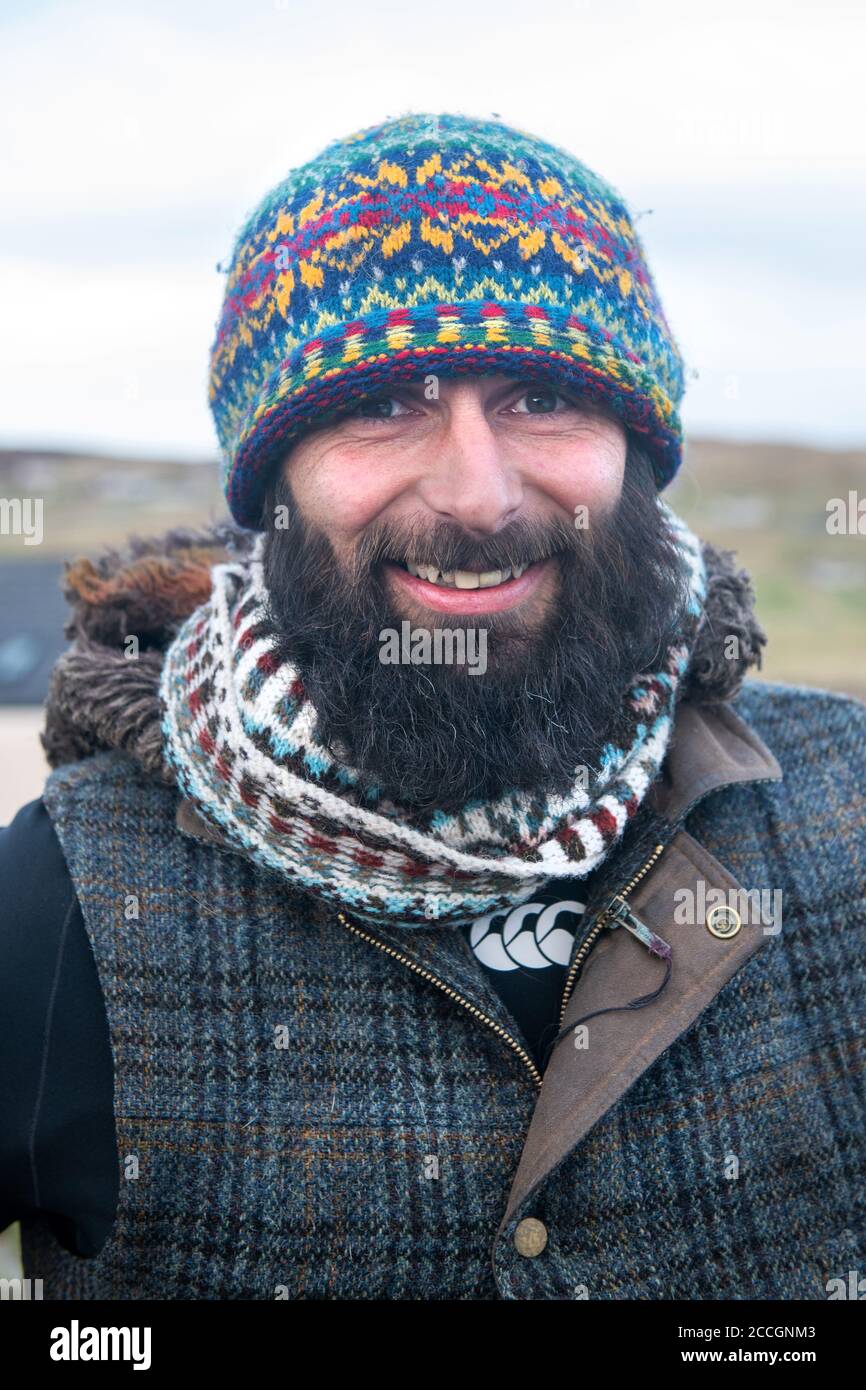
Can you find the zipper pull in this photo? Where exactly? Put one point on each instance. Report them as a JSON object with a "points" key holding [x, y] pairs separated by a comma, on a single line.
{"points": [[619, 914]]}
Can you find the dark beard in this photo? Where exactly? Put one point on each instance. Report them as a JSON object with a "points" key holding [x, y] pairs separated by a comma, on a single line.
{"points": [[434, 737]]}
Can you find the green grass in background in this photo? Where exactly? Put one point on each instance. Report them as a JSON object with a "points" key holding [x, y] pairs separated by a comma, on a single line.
{"points": [[768, 503]]}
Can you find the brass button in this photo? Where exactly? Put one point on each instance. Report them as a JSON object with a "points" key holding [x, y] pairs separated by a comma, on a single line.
{"points": [[530, 1236], [723, 921]]}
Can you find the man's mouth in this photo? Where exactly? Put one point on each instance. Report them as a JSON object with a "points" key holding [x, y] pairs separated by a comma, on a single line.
{"points": [[467, 591], [464, 579]]}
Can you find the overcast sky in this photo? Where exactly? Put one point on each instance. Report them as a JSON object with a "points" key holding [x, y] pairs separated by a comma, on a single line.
{"points": [[134, 142]]}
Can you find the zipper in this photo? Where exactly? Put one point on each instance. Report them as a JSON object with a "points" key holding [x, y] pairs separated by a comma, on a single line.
{"points": [[616, 913], [451, 993]]}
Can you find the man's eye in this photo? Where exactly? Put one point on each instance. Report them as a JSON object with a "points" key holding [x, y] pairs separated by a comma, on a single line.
{"points": [[377, 408], [541, 400]]}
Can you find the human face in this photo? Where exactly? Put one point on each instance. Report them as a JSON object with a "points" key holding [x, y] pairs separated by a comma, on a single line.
{"points": [[426, 735], [474, 452]]}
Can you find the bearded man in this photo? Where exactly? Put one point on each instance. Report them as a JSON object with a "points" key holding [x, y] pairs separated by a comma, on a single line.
{"points": [[335, 973]]}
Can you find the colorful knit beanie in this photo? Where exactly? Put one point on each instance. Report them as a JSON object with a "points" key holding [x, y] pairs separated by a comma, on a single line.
{"points": [[434, 244]]}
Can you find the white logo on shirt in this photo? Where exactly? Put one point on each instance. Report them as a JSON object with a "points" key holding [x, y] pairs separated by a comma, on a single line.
{"points": [[516, 944]]}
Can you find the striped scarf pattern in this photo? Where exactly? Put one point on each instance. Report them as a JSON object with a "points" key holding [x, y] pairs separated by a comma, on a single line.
{"points": [[239, 733]]}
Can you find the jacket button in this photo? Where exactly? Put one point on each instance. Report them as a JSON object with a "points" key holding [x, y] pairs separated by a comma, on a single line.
{"points": [[724, 921], [530, 1237]]}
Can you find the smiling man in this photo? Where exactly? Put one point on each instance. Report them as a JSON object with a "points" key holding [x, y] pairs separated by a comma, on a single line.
{"points": [[334, 975], [485, 502]]}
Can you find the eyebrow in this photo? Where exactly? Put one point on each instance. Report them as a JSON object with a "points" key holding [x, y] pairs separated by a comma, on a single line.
{"points": [[415, 388]]}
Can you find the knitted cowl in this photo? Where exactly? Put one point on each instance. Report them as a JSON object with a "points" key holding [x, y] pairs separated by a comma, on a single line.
{"points": [[205, 707]]}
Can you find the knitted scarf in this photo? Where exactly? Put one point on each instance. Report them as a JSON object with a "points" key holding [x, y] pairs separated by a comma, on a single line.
{"points": [[238, 732]]}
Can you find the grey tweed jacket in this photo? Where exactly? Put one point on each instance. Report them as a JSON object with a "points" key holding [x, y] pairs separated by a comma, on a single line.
{"points": [[308, 1108]]}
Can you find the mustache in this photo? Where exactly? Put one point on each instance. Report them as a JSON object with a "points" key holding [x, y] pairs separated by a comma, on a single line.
{"points": [[448, 546]]}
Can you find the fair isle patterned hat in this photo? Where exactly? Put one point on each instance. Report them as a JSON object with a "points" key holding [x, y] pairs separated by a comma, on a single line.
{"points": [[434, 244]]}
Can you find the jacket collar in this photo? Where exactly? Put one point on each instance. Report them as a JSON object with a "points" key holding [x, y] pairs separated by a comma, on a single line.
{"points": [[712, 748]]}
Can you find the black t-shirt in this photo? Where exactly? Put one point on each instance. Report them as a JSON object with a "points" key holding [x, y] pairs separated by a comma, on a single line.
{"points": [[58, 1152], [525, 953]]}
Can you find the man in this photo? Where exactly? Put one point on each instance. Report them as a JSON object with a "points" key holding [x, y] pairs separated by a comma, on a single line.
{"points": [[445, 913]]}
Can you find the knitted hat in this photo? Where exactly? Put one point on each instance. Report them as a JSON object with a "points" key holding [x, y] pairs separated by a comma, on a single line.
{"points": [[440, 244]]}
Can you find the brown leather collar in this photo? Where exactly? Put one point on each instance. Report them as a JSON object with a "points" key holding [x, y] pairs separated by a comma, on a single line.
{"points": [[711, 748]]}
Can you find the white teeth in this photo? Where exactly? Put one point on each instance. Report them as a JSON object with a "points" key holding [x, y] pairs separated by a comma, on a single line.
{"points": [[463, 579]]}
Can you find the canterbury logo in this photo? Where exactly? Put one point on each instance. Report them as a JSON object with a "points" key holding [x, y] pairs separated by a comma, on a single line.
{"points": [[517, 942]]}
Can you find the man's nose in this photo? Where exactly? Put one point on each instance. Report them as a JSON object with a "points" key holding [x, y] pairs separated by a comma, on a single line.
{"points": [[472, 479]]}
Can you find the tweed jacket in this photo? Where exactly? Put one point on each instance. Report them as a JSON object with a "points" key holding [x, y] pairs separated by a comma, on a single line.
{"points": [[308, 1108]]}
